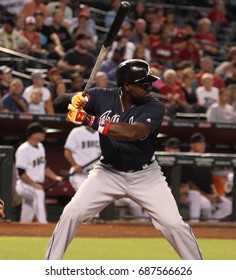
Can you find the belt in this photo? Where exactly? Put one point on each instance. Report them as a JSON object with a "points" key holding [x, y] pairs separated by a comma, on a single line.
{"points": [[145, 166]]}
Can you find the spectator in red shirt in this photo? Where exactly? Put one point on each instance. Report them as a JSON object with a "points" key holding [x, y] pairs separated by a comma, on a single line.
{"points": [[154, 32], [189, 28], [218, 12], [207, 66], [206, 39], [162, 51], [179, 40], [176, 99], [191, 52], [30, 33]]}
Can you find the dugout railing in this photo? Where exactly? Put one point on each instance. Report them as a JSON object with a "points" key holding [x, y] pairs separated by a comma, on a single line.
{"points": [[209, 160]]}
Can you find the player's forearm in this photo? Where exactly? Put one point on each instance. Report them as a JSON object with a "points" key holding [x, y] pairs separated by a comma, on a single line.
{"points": [[128, 132], [70, 159], [120, 131], [52, 175]]}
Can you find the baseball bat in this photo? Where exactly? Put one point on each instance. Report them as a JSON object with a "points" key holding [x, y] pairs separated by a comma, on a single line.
{"points": [[53, 185], [61, 103], [111, 35]]}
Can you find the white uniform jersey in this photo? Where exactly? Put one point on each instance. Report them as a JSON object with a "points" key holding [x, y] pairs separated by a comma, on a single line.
{"points": [[32, 160], [83, 144]]}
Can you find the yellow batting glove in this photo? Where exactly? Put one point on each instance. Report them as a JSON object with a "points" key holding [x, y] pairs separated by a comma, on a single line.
{"points": [[76, 116], [79, 101], [80, 117]]}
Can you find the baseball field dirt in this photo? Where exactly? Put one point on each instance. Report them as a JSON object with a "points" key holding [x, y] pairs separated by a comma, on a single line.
{"points": [[218, 231]]}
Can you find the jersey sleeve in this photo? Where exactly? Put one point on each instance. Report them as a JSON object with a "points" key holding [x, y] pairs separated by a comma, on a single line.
{"points": [[152, 115], [101, 100], [21, 159], [71, 143]]}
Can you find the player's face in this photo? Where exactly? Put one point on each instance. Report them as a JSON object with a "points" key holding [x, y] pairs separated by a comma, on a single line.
{"points": [[139, 93], [39, 136], [198, 147]]}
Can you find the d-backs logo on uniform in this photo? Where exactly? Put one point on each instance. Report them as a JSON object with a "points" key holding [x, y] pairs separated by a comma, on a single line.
{"points": [[38, 161], [90, 144]]}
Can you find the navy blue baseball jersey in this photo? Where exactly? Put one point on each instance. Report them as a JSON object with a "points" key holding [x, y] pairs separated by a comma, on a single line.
{"points": [[125, 155]]}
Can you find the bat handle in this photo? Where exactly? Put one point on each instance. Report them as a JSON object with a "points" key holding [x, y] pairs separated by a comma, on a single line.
{"points": [[102, 55]]}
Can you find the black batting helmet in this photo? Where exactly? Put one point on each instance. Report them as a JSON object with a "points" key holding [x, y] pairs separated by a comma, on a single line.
{"points": [[134, 71]]}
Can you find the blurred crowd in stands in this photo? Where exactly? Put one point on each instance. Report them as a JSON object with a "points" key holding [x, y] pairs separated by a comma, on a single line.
{"points": [[50, 47]]}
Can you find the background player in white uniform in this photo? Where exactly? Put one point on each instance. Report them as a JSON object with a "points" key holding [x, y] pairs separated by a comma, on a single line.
{"points": [[81, 147], [128, 120], [203, 198], [31, 168], [192, 198]]}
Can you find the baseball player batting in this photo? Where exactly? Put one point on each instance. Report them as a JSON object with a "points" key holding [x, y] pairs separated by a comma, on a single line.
{"points": [[81, 144], [128, 120]]}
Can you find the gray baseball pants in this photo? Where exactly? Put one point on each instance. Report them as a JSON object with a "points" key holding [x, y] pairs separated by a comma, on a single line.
{"points": [[147, 187]]}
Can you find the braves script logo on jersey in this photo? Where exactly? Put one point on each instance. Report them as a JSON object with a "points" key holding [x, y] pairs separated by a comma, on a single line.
{"points": [[116, 118]]}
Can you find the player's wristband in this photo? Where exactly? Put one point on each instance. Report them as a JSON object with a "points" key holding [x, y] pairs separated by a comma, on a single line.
{"points": [[102, 126]]}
